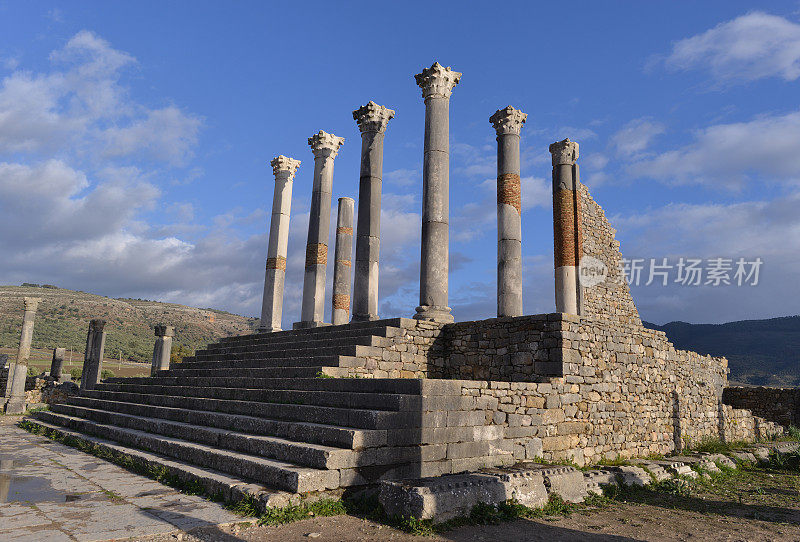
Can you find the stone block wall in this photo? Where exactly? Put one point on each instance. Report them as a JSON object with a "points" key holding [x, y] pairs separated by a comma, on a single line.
{"points": [[611, 299], [779, 405]]}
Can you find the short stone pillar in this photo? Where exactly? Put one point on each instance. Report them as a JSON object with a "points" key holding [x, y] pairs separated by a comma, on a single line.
{"points": [[372, 120], [93, 358], [340, 312], [16, 393], [437, 84], [57, 365], [325, 147], [283, 168], [508, 123], [162, 349], [568, 238]]}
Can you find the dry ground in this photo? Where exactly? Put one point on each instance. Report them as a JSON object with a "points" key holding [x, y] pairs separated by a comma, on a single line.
{"points": [[751, 505]]}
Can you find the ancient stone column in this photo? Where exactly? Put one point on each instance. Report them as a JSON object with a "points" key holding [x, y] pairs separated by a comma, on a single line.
{"points": [[437, 84], [284, 169], [93, 358], [372, 120], [325, 147], [57, 365], [508, 123], [16, 398], [340, 313], [162, 349], [568, 242]]}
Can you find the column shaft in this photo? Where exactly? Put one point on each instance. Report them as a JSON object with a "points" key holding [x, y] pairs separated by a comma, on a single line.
{"points": [[508, 124], [567, 242], [16, 399], [437, 84], [272, 305], [340, 312], [57, 365], [162, 349], [93, 358], [372, 120], [325, 147]]}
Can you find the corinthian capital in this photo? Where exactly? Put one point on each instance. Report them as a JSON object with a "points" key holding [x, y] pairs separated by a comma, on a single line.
{"points": [[508, 120], [564, 152], [284, 166], [437, 81], [31, 303], [372, 117], [325, 144]]}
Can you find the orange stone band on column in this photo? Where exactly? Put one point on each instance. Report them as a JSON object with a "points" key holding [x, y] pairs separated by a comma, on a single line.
{"points": [[341, 301], [278, 262], [316, 254], [346, 231], [509, 190], [564, 227]]}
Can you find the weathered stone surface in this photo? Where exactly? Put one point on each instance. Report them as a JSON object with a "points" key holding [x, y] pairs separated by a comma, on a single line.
{"points": [[93, 357], [15, 381]]}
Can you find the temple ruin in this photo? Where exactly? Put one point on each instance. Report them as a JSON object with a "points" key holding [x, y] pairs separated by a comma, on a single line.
{"points": [[326, 406]]}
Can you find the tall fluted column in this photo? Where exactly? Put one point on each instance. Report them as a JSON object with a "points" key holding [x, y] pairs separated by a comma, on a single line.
{"points": [[57, 365], [284, 169], [162, 348], [372, 120], [508, 123], [568, 241], [325, 147], [16, 399], [340, 312], [93, 358], [437, 84]]}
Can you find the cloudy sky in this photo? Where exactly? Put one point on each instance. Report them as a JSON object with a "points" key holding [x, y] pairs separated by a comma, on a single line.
{"points": [[135, 139]]}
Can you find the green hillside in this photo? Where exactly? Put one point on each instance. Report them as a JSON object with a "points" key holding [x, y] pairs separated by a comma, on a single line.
{"points": [[760, 352], [63, 318]]}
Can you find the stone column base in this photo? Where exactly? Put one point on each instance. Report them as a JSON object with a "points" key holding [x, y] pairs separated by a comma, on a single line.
{"points": [[15, 405], [269, 329], [434, 314], [365, 317]]}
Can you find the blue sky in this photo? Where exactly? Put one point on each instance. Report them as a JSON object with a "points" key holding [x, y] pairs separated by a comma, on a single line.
{"points": [[135, 139]]}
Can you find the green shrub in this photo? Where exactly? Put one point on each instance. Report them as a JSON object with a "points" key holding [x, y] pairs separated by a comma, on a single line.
{"points": [[33, 371], [76, 373], [106, 373]]}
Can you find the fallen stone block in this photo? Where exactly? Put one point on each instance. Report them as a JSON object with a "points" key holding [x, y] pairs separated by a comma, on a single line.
{"points": [[566, 482], [722, 460], [631, 475], [658, 472], [442, 498], [676, 468], [762, 454], [744, 457], [595, 480], [702, 462], [526, 486]]}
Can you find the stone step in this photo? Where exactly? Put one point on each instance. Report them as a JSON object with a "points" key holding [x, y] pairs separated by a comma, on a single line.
{"points": [[329, 435], [206, 377], [300, 453], [343, 417], [318, 397], [374, 327], [309, 372], [223, 361], [365, 340], [298, 350], [272, 472]]}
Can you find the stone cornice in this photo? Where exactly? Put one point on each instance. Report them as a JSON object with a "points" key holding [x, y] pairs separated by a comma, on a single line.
{"points": [[325, 144], [164, 331], [284, 166], [564, 152], [508, 120], [372, 117], [31, 303], [437, 81]]}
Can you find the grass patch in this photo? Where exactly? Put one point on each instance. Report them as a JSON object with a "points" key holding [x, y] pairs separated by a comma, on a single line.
{"points": [[115, 498], [303, 510]]}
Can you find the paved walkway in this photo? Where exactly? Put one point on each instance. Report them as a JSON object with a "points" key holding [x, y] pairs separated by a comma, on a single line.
{"points": [[51, 492]]}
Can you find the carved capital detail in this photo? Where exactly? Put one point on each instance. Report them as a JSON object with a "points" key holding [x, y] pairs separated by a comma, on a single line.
{"points": [[564, 152], [284, 166], [508, 120], [325, 144], [372, 117], [164, 331], [31, 303], [437, 81]]}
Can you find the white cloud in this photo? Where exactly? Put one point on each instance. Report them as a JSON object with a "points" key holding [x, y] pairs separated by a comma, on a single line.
{"points": [[750, 47], [728, 155], [404, 177], [635, 136]]}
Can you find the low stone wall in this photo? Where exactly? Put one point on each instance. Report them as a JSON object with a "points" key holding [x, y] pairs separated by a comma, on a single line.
{"points": [[779, 405]]}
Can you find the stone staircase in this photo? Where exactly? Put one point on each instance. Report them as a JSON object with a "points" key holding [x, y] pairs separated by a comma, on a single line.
{"points": [[263, 408]]}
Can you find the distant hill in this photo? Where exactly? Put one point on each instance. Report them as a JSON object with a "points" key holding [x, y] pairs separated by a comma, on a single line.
{"points": [[63, 319], [760, 352]]}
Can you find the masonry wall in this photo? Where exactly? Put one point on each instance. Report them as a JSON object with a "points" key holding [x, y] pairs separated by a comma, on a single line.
{"points": [[779, 405]]}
